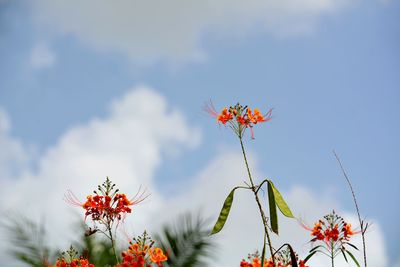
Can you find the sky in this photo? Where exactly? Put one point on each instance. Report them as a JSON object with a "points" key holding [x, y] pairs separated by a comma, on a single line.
{"points": [[94, 89]]}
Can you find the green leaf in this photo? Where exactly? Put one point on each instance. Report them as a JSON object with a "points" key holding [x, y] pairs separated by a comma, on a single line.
{"points": [[272, 209], [353, 258], [263, 253], [350, 244], [344, 255], [309, 256], [280, 202], [223, 215], [315, 248]]}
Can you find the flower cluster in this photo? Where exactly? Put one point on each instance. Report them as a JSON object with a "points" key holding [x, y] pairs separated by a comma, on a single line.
{"points": [[73, 263], [282, 259], [107, 204], [98, 206], [332, 228], [72, 260], [142, 254], [239, 118], [334, 233]]}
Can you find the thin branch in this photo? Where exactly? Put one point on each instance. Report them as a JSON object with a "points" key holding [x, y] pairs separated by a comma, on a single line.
{"points": [[357, 208]]}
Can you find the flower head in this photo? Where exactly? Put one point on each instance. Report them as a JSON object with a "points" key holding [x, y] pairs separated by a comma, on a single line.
{"points": [[332, 233], [142, 254], [70, 259], [239, 118], [107, 204]]}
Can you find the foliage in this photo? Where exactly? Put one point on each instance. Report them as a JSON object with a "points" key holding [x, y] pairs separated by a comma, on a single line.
{"points": [[186, 242], [27, 240]]}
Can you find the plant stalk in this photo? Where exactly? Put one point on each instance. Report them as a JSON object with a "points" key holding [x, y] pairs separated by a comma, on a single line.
{"points": [[113, 244], [263, 217]]}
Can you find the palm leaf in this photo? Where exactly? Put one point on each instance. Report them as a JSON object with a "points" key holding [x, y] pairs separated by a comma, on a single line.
{"points": [[187, 242], [27, 240]]}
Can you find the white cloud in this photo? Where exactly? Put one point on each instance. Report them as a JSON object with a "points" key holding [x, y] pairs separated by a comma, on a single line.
{"points": [[128, 145], [42, 56], [151, 30], [13, 155]]}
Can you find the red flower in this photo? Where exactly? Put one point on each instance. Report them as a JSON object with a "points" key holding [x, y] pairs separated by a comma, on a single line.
{"points": [[334, 234], [107, 205], [73, 261]]}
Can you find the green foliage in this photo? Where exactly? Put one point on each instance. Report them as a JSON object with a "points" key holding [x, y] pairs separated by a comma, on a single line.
{"points": [[186, 243], [272, 209], [27, 240], [275, 199], [223, 215], [280, 202], [353, 258], [97, 250]]}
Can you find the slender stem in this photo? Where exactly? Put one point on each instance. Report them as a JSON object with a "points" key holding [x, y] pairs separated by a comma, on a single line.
{"points": [[356, 204], [113, 243], [332, 257], [263, 217]]}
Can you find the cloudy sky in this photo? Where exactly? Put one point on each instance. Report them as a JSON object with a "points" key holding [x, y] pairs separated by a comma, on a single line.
{"points": [[91, 89]]}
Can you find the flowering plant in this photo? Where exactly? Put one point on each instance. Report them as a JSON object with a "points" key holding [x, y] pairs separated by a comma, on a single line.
{"points": [[141, 253], [331, 235], [69, 259], [239, 118], [106, 207]]}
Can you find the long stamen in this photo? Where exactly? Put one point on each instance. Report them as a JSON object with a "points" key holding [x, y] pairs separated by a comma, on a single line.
{"points": [[70, 198]]}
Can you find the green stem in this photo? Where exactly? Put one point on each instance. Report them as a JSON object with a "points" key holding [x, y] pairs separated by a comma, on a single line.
{"points": [[332, 254], [113, 244], [263, 217]]}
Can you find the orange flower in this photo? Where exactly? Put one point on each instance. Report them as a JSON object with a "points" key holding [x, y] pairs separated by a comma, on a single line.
{"points": [[73, 261], [141, 254], [316, 231], [224, 116], [157, 256], [238, 117], [257, 116], [347, 231]]}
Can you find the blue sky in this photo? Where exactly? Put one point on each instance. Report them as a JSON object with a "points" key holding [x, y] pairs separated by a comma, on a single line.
{"points": [[330, 72]]}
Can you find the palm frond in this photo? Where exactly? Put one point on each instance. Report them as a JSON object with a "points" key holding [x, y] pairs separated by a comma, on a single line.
{"points": [[187, 242], [26, 240]]}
